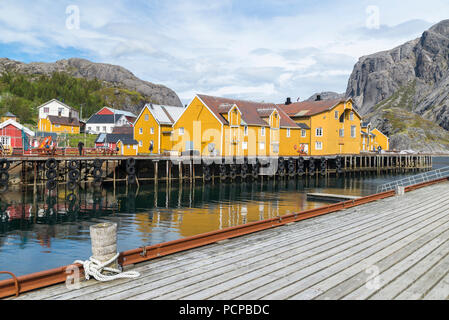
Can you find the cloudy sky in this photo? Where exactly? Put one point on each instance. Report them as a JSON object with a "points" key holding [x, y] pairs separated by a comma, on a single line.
{"points": [[263, 50]]}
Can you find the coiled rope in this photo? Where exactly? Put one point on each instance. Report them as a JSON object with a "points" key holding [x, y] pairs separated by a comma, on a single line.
{"points": [[93, 267]]}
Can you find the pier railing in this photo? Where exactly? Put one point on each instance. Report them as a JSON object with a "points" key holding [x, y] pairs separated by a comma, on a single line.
{"points": [[412, 180]]}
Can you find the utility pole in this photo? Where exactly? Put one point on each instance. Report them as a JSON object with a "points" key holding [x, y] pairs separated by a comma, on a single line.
{"points": [[81, 117]]}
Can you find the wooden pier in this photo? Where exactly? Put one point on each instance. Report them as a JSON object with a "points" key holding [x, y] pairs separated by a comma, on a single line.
{"points": [[394, 248], [72, 170]]}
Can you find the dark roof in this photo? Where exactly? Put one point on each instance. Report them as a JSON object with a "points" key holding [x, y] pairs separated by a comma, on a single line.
{"points": [[9, 114], [103, 118], [113, 137], [128, 140], [64, 121], [108, 118]]}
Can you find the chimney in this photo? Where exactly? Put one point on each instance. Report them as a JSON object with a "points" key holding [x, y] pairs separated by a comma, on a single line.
{"points": [[288, 101], [318, 97]]}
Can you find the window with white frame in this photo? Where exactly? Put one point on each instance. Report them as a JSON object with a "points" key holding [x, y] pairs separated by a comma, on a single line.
{"points": [[140, 143], [98, 129], [303, 133], [5, 140], [319, 132], [151, 130], [318, 145], [353, 131], [336, 114], [140, 130], [262, 131], [181, 131], [288, 132], [351, 116], [147, 117], [244, 145], [46, 109], [342, 132], [262, 146], [245, 130]]}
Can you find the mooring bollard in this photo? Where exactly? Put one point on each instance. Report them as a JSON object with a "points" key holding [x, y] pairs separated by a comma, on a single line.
{"points": [[103, 264], [104, 242]]}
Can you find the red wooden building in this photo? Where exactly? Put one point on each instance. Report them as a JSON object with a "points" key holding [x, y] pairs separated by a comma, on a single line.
{"points": [[11, 134]]}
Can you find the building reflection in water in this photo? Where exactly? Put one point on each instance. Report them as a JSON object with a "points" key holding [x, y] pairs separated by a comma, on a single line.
{"points": [[150, 214]]}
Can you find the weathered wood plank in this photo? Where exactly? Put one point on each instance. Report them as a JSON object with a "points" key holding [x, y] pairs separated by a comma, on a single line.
{"points": [[284, 288], [276, 241], [422, 285], [345, 287], [291, 253], [322, 245], [305, 260], [407, 271], [276, 248]]}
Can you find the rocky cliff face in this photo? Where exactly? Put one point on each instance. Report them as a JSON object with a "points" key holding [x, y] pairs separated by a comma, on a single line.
{"points": [[421, 63], [408, 82], [113, 77]]}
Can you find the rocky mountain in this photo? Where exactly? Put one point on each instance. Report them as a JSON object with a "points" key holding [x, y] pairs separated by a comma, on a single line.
{"points": [[119, 82], [411, 79], [327, 95]]}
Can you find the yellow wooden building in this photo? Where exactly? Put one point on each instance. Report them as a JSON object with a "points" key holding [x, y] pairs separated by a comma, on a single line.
{"points": [[59, 125], [381, 140], [153, 128], [127, 147], [8, 116], [56, 116], [334, 126], [372, 139], [215, 126]]}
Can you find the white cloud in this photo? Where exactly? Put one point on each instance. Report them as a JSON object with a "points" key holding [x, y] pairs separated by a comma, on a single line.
{"points": [[265, 50]]}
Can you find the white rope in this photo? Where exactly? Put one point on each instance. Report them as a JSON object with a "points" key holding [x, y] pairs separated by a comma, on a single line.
{"points": [[93, 267]]}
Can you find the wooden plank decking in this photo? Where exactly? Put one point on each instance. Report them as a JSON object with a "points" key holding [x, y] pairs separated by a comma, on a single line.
{"points": [[404, 241]]}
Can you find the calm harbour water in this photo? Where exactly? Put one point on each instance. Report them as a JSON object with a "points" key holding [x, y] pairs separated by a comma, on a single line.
{"points": [[56, 237]]}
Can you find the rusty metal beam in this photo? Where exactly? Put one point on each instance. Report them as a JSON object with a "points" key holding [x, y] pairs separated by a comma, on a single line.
{"points": [[59, 275]]}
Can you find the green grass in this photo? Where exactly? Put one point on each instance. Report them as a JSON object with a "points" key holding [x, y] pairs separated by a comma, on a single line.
{"points": [[74, 139]]}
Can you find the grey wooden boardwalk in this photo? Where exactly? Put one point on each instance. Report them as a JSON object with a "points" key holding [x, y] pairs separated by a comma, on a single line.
{"points": [[396, 248]]}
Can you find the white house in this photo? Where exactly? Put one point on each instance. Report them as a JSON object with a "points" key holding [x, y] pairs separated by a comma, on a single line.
{"points": [[105, 120], [56, 108]]}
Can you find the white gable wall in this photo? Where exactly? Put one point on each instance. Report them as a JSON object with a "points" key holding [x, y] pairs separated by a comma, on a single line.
{"points": [[53, 110], [96, 128]]}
